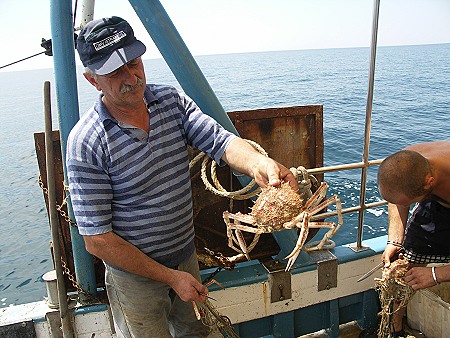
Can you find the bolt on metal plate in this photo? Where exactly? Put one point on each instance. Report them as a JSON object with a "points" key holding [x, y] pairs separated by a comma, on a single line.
{"points": [[279, 281]]}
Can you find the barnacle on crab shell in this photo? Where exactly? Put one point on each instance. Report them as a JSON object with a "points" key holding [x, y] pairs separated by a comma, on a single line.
{"points": [[276, 206]]}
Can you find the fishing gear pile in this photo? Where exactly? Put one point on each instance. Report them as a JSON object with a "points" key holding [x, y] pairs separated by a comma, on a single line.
{"points": [[392, 290]]}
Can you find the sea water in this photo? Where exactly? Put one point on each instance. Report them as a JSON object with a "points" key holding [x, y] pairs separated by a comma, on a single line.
{"points": [[411, 105]]}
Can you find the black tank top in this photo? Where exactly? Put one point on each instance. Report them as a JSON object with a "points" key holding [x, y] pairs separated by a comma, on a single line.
{"points": [[428, 229]]}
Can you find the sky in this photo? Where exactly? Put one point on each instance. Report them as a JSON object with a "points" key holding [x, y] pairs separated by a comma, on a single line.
{"points": [[239, 26]]}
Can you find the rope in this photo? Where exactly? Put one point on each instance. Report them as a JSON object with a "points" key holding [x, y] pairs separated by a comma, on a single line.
{"points": [[215, 187], [305, 181]]}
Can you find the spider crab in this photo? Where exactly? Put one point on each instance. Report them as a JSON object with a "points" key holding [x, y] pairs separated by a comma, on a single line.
{"points": [[282, 208]]}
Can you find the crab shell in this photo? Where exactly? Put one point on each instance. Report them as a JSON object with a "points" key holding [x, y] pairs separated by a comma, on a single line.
{"points": [[276, 206]]}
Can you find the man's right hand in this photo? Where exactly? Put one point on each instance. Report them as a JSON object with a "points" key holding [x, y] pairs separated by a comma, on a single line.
{"points": [[389, 252]]}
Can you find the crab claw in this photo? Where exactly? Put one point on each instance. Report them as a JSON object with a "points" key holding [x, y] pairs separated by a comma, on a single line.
{"points": [[242, 244], [292, 258]]}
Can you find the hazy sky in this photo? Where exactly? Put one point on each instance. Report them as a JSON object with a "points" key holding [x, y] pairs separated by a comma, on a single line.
{"points": [[231, 26]]}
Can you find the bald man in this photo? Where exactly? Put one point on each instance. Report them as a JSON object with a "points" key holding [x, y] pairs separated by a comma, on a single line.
{"points": [[419, 175]]}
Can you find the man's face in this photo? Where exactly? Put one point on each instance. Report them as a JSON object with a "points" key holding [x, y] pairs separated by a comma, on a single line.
{"points": [[125, 86], [402, 199]]}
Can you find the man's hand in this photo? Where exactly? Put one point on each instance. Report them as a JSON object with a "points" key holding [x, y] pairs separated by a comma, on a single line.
{"points": [[188, 288], [244, 158], [389, 253], [269, 172], [419, 277]]}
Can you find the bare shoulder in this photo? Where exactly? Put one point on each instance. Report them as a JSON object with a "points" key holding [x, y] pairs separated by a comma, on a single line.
{"points": [[431, 149]]}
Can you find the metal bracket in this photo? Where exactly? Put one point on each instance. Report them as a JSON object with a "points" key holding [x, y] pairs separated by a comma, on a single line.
{"points": [[327, 264], [279, 281], [357, 248]]}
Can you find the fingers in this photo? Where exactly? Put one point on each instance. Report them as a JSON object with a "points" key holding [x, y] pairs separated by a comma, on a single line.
{"points": [[419, 278], [269, 173], [388, 253], [201, 292], [287, 176], [188, 288], [386, 258], [272, 173]]}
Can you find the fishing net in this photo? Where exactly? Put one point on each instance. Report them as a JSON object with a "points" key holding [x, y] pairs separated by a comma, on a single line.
{"points": [[394, 294], [212, 318]]}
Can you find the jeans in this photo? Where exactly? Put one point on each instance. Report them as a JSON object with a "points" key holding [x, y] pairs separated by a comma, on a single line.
{"points": [[144, 308]]}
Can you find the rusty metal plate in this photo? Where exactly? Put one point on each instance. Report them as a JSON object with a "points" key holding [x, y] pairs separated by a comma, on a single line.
{"points": [[327, 268], [292, 136]]}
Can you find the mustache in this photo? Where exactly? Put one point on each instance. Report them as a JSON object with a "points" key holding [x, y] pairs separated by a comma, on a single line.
{"points": [[128, 88]]}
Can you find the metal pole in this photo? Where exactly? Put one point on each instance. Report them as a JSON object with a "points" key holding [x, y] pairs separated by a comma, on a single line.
{"points": [[87, 12], [66, 323], [340, 167], [67, 100], [179, 59], [184, 67], [373, 51]]}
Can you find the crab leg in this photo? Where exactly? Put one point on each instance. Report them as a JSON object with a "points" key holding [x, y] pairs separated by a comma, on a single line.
{"points": [[196, 311], [238, 238], [312, 211], [333, 229], [242, 244], [236, 226], [316, 197], [305, 216], [298, 246], [240, 217]]}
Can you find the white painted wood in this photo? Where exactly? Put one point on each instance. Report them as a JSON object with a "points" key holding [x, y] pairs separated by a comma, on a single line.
{"points": [[252, 301]]}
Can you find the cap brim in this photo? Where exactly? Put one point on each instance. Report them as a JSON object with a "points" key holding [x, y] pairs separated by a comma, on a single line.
{"points": [[118, 58]]}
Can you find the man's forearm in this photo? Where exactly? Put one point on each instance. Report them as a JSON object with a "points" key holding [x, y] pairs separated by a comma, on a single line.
{"points": [[241, 156], [118, 252], [398, 215]]}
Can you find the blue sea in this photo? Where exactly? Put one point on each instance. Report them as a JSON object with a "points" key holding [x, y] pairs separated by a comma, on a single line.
{"points": [[411, 105]]}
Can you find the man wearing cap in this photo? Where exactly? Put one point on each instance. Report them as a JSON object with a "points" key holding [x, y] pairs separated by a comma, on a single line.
{"points": [[127, 166]]}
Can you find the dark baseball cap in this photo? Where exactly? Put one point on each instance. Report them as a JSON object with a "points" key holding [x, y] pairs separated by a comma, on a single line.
{"points": [[107, 44]]}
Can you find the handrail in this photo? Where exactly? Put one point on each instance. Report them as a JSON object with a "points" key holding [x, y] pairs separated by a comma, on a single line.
{"points": [[346, 166], [353, 209], [363, 206]]}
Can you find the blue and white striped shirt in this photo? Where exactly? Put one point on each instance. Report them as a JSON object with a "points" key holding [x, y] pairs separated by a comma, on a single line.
{"points": [[141, 190]]}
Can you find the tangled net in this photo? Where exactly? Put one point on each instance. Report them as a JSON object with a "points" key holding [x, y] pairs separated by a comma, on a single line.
{"points": [[392, 290], [212, 318]]}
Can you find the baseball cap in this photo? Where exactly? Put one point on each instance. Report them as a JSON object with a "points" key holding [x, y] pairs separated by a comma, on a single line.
{"points": [[105, 45]]}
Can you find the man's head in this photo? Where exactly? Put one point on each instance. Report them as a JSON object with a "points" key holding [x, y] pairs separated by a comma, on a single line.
{"points": [[107, 44], [404, 177]]}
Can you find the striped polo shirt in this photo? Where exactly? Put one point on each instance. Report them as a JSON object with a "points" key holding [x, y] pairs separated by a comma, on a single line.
{"points": [[140, 188]]}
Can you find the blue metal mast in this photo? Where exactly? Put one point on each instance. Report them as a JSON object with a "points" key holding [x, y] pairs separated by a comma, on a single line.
{"points": [[67, 102]]}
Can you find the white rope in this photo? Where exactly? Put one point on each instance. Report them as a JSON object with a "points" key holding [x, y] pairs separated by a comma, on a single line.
{"points": [[215, 187]]}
